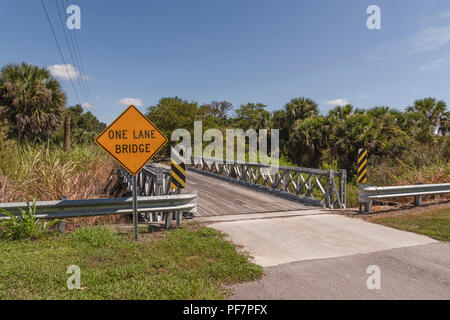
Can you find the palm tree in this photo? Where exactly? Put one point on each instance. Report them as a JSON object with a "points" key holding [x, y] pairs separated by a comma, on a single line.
{"points": [[341, 112], [430, 108], [307, 141], [32, 100], [444, 123], [301, 109]]}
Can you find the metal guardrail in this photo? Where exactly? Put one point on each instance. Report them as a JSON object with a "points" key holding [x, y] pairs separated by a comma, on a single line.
{"points": [[367, 193], [326, 188], [95, 207], [156, 208]]}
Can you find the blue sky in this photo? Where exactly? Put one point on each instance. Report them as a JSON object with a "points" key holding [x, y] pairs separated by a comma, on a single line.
{"points": [[240, 50]]}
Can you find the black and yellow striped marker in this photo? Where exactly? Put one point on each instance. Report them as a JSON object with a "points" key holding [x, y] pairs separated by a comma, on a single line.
{"points": [[362, 166], [177, 171]]}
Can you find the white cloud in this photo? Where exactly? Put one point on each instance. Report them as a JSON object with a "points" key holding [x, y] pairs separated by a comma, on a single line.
{"points": [[436, 65], [363, 96], [134, 101], [445, 14], [60, 71], [88, 106], [425, 40], [430, 39], [338, 102]]}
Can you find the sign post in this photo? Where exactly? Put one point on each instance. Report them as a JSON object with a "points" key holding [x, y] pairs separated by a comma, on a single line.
{"points": [[361, 177], [132, 140], [135, 214]]}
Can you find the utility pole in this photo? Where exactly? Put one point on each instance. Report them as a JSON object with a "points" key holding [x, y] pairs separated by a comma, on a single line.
{"points": [[67, 134]]}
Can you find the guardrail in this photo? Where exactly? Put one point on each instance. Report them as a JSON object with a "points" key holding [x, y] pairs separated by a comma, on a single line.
{"points": [[367, 193], [326, 188], [159, 208]]}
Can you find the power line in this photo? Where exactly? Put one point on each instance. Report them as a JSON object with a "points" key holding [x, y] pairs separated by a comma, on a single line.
{"points": [[60, 51], [70, 51], [81, 60], [81, 63]]}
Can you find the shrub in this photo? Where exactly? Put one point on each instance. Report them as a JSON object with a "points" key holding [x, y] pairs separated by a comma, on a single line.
{"points": [[25, 225]]}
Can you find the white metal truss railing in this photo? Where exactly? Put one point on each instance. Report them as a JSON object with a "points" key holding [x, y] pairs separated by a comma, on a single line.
{"points": [[326, 188], [153, 180]]}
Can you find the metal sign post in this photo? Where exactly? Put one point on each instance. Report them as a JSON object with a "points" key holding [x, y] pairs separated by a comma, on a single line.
{"points": [[132, 140], [135, 214]]}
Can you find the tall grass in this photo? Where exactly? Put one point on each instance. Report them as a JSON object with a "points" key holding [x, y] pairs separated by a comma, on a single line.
{"points": [[423, 164], [48, 173], [25, 225]]}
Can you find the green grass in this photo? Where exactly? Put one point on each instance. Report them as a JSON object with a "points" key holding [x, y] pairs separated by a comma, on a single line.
{"points": [[435, 224], [189, 263]]}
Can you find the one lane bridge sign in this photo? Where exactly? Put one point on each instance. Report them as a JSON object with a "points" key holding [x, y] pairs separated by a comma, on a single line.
{"points": [[132, 140]]}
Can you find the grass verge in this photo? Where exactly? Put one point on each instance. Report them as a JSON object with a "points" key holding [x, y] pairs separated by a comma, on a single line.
{"points": [[433, 223], [193, 262]]}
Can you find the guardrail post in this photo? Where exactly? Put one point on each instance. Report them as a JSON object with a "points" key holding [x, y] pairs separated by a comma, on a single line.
{"points": [[368, 207], [368, 203], [61, 226], [343, 187], [178, 217], [417, 200]]}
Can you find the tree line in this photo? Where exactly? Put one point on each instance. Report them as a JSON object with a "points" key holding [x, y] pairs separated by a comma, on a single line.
{"points": [[310, 139], [33, 106]]}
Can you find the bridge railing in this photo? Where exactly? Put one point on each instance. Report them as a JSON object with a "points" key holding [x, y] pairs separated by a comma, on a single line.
{"points": [[153, 180], [325, 188]]}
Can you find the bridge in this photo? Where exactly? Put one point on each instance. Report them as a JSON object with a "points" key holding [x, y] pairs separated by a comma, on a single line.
{"points": [[218, 197], [244, 188]]}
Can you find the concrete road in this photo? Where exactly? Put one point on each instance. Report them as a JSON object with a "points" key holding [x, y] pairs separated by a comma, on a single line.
{"points": [[326, 256], [282, 240], [419, 272]]}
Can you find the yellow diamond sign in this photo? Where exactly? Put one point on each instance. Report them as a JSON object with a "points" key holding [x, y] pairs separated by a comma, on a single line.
{"points": [[132, 140]]}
